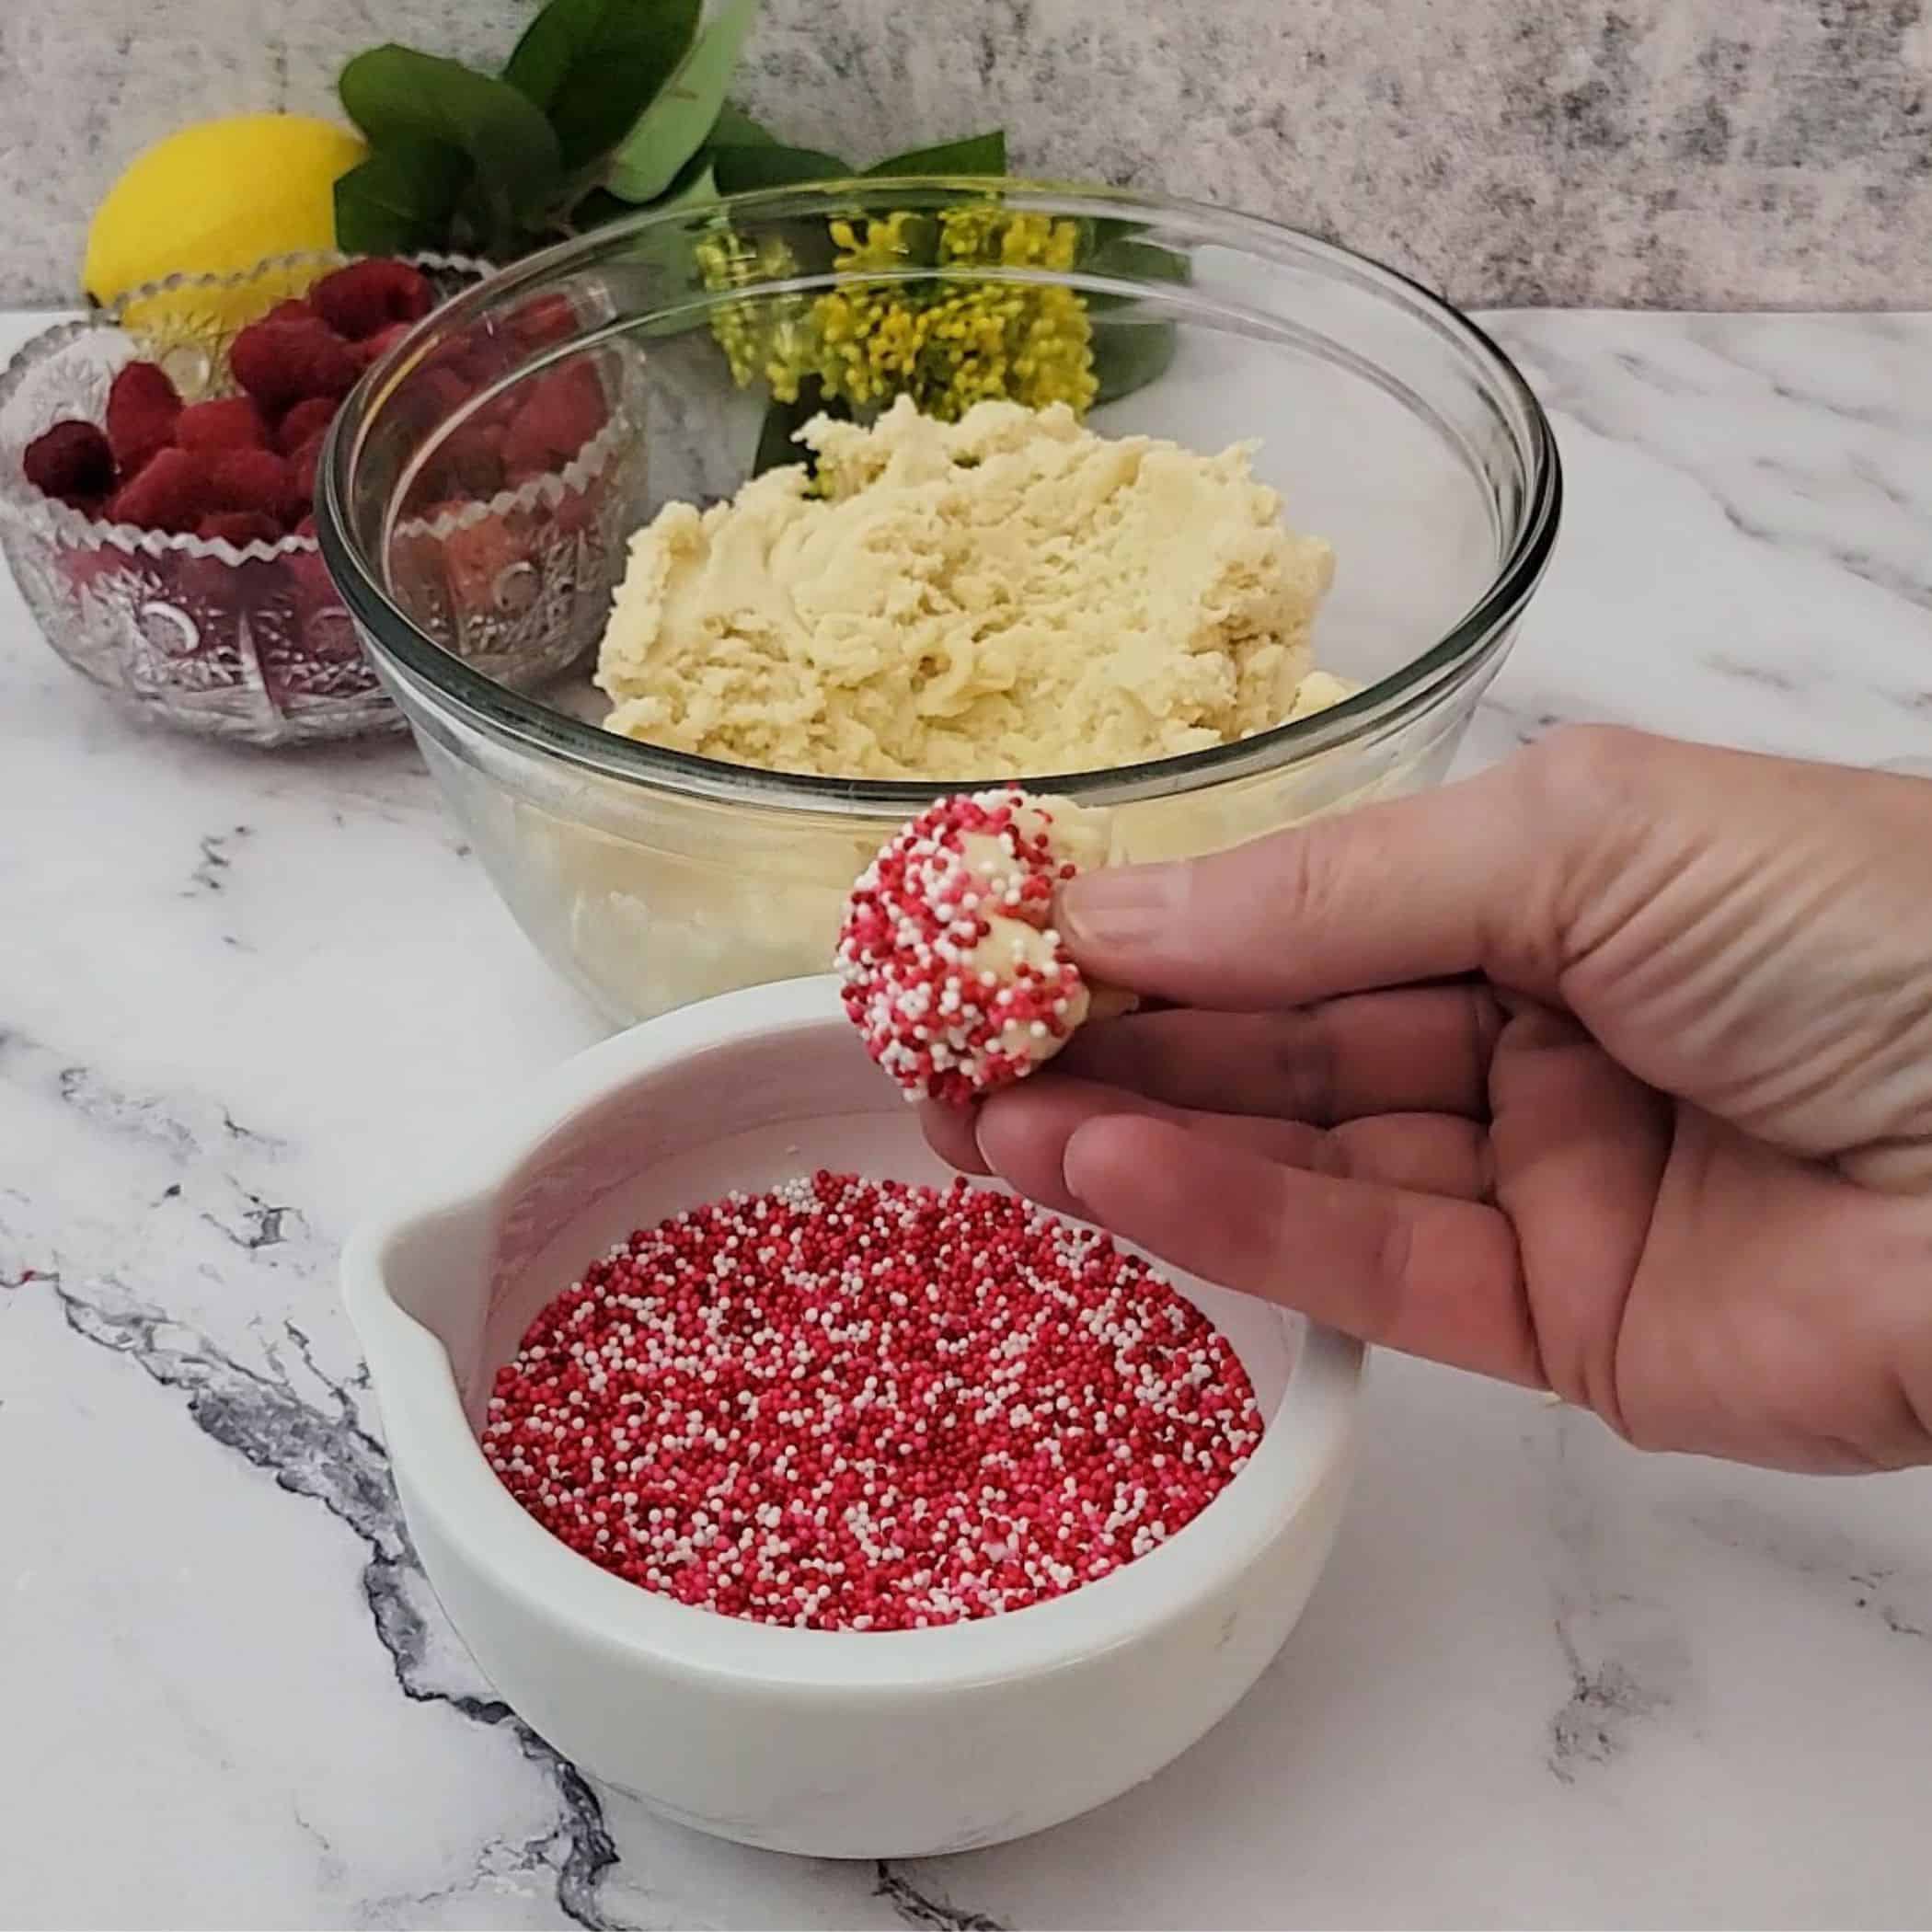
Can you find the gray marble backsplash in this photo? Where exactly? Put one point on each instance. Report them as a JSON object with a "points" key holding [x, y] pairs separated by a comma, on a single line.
{"points": [[1707, 154]]}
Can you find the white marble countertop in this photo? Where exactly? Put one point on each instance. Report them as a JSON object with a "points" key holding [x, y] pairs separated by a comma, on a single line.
{"points": [[1545, 1680]]}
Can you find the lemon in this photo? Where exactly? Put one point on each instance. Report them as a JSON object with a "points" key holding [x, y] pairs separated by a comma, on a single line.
{"points": [[216, 198]]}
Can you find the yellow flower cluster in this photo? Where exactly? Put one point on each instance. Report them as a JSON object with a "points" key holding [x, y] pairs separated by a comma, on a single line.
{"points": [[769, 337], [922, 328]]}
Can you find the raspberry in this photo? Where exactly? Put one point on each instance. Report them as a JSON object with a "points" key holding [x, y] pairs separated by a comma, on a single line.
{"points": [[543, 319], [373, 347], [282, 364], [231, 422], [436, 395], [306, 419], [306, 460], [475, 560], [302, 472], [292, 310], [240, 527], [173, 492], [480, 356], [578, 509], [143, 407], [257, 480], [472, 462], [307, 527], [368, 296], [564, 412], [73, 461]]}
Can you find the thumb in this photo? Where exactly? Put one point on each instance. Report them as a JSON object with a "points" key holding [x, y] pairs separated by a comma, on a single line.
{"points": [[1467, 878]]}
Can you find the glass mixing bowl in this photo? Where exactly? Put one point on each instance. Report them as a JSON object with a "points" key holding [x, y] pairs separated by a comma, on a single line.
{"points": [[1390, 424]]}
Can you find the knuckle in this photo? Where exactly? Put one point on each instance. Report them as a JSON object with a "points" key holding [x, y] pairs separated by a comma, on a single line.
{"points": [[1588, 796], [1395, 1272], [1581, 774], [1305, 873], [1486, 1020], [1302, 1066], [1482, 1156], [1330, 1156]]}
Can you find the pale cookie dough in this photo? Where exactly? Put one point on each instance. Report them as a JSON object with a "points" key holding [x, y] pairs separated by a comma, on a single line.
{"points": [[952, 973], [1011, 592], [1317, 691]]}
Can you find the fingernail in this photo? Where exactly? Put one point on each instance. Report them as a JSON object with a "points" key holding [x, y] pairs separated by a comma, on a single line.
{"points": [[1073, 1158], [1068, 1160], [979, 1140], [1120, 905]]}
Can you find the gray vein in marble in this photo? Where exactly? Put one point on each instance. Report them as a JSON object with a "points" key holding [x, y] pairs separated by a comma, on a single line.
{"points": [[1714, 472], [1623, 1660], [1528, 719], [266, 1143], [329, 1861], [1594, 1724], [1914, 586], [1897, 1595], [117, 1112], [497, 1859], [918, 1908], [177, 1134], [217, 856], [1768, 676], [263, 1224], [333, 1460], [325, 1454]]}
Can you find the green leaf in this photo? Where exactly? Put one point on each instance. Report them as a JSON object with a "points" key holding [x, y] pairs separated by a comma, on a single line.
{"points": [[694, 185], [669, 249], [770, 166], [666, 249], [1115, 247], [976, 155], [777, 447], [595, 65], [735, 128], [597, 210], [1130, 355], [405, 100], [400, 200], [1139, 262], [671, 130]]}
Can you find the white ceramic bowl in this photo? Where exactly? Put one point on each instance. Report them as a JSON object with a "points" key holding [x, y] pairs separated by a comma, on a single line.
{"points": [[842, 1745]]}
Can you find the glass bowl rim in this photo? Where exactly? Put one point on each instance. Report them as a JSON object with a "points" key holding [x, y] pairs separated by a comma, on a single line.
{"points": [[548, 733]]}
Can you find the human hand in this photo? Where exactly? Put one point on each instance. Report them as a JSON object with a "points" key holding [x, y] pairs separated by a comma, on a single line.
{"points": [[1608, 1071]]}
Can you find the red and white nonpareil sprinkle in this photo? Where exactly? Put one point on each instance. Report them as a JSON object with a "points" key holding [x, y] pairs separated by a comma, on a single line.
{"points": [[952, 972], [858, 1405]]}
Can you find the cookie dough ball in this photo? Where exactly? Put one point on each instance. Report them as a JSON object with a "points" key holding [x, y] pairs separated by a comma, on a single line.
{"points": [[953, 974]]}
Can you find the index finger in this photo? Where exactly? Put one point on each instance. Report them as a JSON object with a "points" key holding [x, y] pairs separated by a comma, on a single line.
{"points": [[1475, 877], [1415, 1050], [1420, 1272]]}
